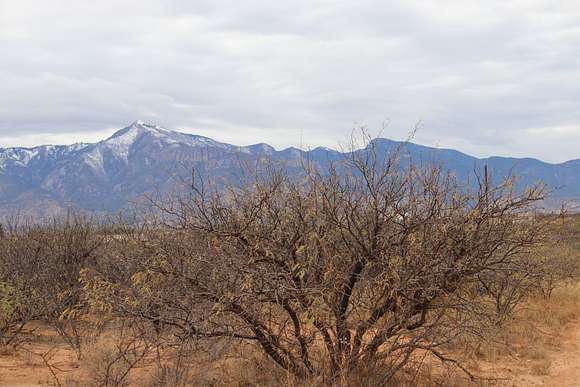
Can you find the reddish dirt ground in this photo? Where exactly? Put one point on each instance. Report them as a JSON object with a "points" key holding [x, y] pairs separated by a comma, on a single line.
{"points": [[26, 368]]}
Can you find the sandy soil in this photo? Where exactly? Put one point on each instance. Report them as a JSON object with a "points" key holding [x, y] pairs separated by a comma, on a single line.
{"points": [[565, 369], [26, 368]]}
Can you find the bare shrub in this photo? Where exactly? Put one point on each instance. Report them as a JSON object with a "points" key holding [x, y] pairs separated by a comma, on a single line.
{"points": [[39, 273], [109, 362], [510, 286], [107, 366], [361, 264], [559, 261], [15, 312]]}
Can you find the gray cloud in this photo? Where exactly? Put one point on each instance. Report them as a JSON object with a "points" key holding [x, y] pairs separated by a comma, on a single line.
{"points": [[495, 77]]}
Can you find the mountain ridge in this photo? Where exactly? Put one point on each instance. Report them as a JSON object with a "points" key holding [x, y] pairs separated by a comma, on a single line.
{"points": [[106, 175], [157, 128]]}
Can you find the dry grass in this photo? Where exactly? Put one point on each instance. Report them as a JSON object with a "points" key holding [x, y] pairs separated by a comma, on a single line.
{"points": [[526, 345], [537, 327]]}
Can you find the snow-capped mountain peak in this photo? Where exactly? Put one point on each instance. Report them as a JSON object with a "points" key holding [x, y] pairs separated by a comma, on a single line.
{"points": [[123, 143], [129, 135]]}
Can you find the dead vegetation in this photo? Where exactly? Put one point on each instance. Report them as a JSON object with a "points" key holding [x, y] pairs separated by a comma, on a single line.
{"points": [[367, 272]]}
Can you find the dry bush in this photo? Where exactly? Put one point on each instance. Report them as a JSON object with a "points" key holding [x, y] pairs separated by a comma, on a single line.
{"points": [[360, 265], [39, 272], [15, 312], [558, 261], [187, 363], [107, 366], [109, 362]]}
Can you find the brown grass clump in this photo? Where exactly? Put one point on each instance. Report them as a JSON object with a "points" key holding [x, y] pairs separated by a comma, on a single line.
{"points": [[107, 366], [170, 375], [555, 312], [110, 361], [543, 321]]}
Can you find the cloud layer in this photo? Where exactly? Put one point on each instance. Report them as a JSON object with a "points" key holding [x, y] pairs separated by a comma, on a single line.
{"points": [[494, 77]]}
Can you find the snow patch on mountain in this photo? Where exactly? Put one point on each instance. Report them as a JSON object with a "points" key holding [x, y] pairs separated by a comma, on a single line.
{"points": [[95, 160], [260, 148], [22, 157], [16, 156], [120, 143]]}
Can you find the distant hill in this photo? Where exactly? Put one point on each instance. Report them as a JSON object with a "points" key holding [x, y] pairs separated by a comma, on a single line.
{"points": [[143, 158]]}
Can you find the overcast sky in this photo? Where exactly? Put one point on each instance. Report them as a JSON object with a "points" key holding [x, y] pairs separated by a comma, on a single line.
{"points": [[485, 77]]}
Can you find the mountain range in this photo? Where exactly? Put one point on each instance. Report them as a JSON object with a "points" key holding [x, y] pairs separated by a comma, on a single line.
{"points": [[143, 158]]}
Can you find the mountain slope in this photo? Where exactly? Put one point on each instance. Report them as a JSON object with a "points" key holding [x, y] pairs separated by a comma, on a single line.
{"points": [[143, 158]]}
